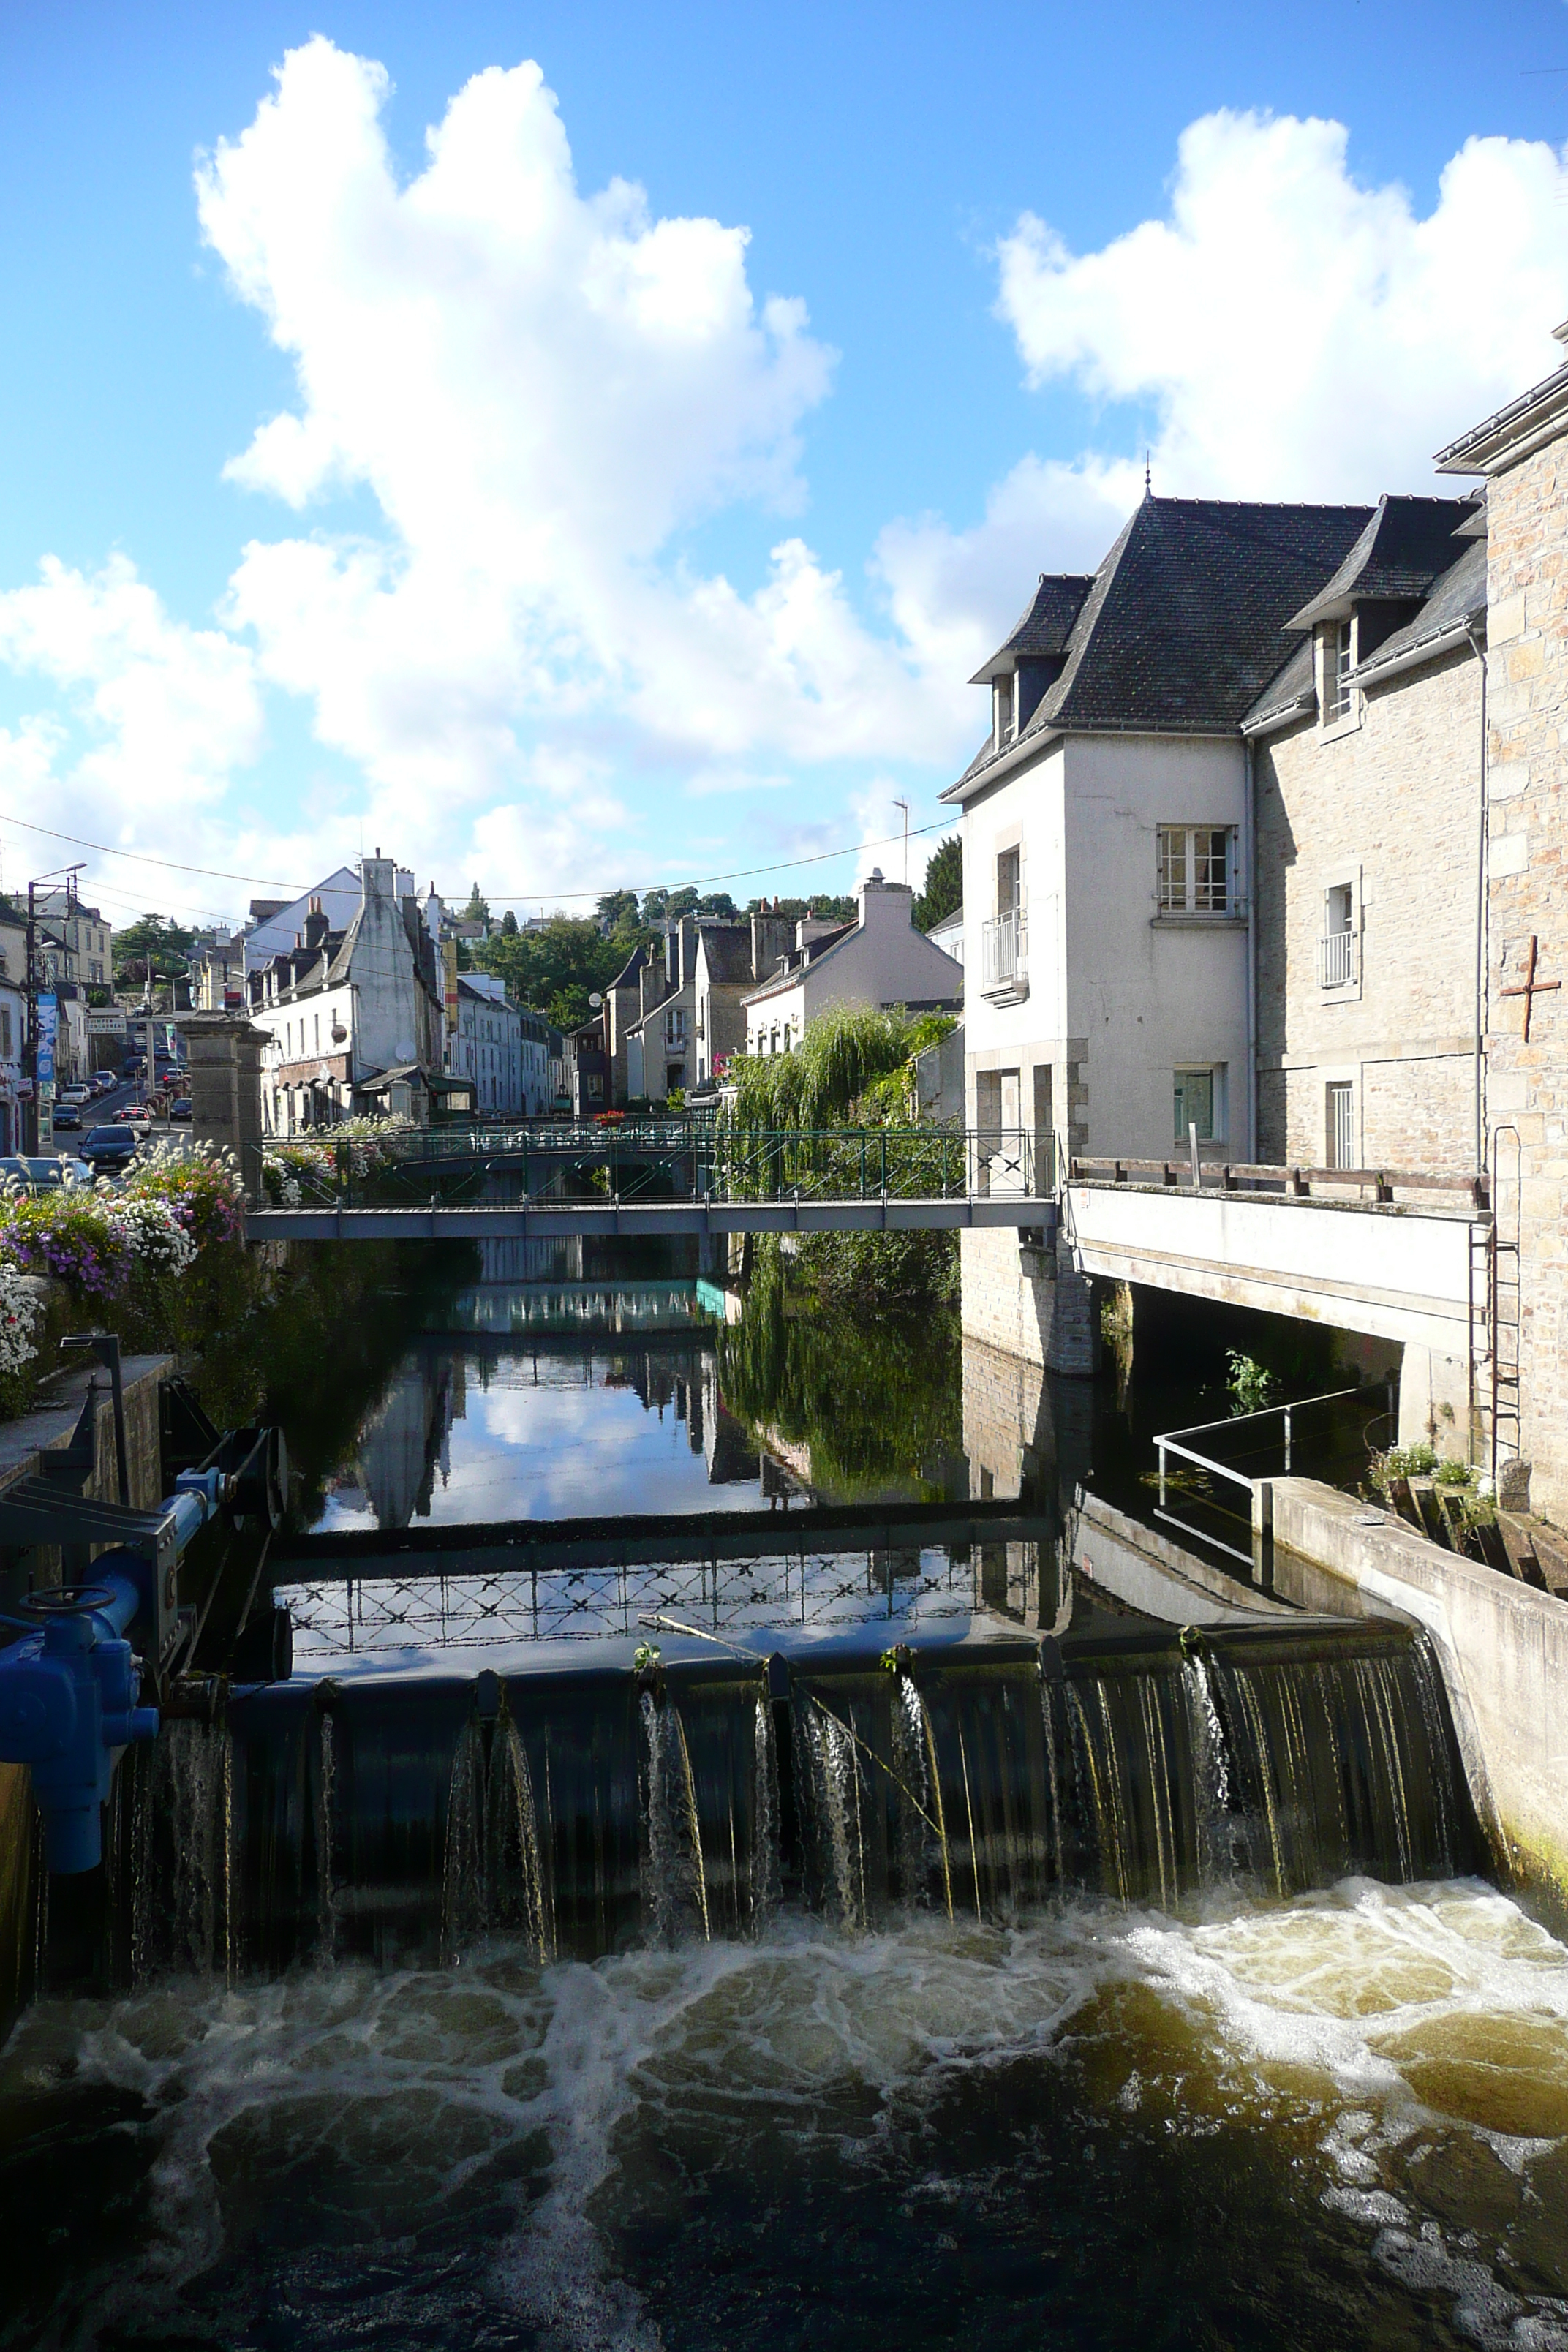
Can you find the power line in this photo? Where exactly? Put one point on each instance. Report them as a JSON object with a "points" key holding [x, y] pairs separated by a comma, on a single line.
{"points": [[497, 897]]}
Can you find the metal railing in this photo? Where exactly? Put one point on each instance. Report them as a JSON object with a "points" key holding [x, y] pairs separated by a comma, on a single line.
{"points": [[1003, 950], [1172, 1442], [651, 1160], [1336, 959]]}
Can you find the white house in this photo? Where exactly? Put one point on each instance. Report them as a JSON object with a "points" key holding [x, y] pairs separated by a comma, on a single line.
{"points": [[504, 1048], [880, 960], [1106, 819], [353, 1016], [13, 1027]]}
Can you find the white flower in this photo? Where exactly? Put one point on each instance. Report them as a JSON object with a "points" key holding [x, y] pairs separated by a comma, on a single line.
{"points": [[154, 1233], [20, 1309]]}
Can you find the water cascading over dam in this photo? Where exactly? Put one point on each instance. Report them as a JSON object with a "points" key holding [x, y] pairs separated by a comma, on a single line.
{"points": [[587, 1810]]}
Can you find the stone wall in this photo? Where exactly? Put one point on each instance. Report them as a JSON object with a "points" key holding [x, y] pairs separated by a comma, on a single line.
{"points": [[1391, 808], [1017, 1297], [1527, 1083]]}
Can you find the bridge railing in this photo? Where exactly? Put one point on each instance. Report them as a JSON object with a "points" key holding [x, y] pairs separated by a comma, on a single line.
{"points": [[1383, 1184], [653, 1159]]}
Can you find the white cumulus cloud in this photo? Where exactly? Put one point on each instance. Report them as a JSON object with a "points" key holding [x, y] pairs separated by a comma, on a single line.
{"points": [[1299, 335]]}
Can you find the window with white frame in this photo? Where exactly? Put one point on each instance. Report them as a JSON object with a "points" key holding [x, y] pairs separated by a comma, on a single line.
{"points": [[1337, 947], [1338, 693], [1196, 869], [675, 1026], [1199, 1100], [1002, 691]]}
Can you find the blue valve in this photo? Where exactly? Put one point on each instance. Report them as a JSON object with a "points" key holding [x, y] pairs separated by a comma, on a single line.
{"points": [[68, 1704]]}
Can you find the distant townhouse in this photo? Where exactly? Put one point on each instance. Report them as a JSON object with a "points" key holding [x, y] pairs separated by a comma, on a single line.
{"points": [[13, 1029], [880, 960], [353, 1016], [504, 1048]]}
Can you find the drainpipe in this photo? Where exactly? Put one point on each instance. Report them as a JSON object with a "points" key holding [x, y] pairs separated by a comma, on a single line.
{"points": [[1248, 866], [1477, 646]]}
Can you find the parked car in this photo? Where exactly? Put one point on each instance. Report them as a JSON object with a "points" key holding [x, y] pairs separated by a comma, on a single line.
{"points": [[76, 1093], [66, 1116], [105, 1081], [109, 1147], [180, 1110], [40, 1175], [137, 1115]]}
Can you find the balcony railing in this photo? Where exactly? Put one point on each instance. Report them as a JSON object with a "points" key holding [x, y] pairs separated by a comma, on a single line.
{"points": [[1004, 953], [1336, 959]]}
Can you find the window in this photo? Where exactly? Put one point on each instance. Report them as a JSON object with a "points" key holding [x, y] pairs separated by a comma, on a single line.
{"points": [[1338, 693], [1195, 870], [1001, 691], [1199, 1101], [5, 1032], [675, 1027], [1009, 882], [1340, 1123], [1337, 947]]}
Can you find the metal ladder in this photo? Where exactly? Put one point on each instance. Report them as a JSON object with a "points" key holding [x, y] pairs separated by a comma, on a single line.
{"points": [[1503, 1296]]}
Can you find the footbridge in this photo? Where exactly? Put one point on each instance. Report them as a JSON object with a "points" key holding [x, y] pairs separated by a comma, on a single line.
{"points": [[652, 1178]]}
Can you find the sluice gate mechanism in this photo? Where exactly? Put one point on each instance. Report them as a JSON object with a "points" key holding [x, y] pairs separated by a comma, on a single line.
{"points": [[85, 1646]]}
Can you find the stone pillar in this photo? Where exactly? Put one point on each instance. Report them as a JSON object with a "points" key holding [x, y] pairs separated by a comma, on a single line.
{"points": [[1025, 1299], [225, 1088]]}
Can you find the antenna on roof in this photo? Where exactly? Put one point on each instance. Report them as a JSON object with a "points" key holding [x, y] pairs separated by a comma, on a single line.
{"points": [[1147, 491]]}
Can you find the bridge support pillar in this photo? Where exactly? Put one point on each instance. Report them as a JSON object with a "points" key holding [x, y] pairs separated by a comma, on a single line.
{"points": [[225, 1088], [1021, 1295]]}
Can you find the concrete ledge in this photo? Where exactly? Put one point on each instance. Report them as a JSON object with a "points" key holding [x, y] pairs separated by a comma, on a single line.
{"points": [[22, 1441], [1504, 1648]]}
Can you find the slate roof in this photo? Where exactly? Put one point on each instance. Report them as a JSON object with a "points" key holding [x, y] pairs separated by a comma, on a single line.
{"points": [[1456, 597], [1404, 547], [1045, 624], [728, 949], [813, 952], [1187, 620]]}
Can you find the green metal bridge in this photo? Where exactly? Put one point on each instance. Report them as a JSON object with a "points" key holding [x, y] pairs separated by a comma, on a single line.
{"points": [[655, 1176]]}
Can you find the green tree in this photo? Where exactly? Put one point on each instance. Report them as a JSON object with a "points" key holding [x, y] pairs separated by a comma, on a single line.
{"points": [[556, 969], [943, 888], [617, 910], [476, 911], [720, 903], [153, 947], [508, 925]]}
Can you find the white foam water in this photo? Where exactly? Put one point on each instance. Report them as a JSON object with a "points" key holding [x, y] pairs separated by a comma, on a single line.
{"points": [[1398, 2030]]}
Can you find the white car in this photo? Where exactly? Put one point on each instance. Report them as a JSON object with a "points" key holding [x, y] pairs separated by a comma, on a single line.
{"points": [[138, 1117], [76, 1094]]}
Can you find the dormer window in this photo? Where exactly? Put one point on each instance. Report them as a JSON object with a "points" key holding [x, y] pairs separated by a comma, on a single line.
{"points": [[1338, 694], [1001, 691]]}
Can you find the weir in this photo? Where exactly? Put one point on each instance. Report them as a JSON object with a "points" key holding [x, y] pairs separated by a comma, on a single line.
{"points": [[403, 1818]]}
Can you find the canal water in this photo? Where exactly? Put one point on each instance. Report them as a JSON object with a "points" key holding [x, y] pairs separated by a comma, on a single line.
{"points": [[999, 1966]]}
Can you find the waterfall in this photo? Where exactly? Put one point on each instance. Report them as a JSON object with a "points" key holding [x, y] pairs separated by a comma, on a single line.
{"points": [[514, 1860], [177, 1824], [326, 1886], [675, 1878], [583, 1813]]}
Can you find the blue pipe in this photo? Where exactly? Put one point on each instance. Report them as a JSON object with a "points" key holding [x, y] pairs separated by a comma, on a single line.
{"points": [[67, 1706]]}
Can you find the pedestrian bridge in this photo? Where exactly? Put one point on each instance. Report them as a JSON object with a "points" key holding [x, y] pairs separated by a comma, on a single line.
{"points": [[652, 1177]]}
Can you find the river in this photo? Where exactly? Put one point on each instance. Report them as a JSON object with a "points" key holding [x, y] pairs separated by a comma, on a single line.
{"points": [[938, 2112]]}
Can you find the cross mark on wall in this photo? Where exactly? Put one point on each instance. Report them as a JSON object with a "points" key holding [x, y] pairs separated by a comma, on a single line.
{"points": [[1531, 988]]}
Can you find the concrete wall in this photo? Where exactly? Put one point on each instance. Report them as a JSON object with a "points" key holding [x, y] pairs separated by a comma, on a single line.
{"points": [[1386, 802], [1504, 1648], [1394, 1273]]}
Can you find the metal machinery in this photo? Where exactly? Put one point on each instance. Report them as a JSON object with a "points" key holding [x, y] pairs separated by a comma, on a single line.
{"points": [[71, 1680]]}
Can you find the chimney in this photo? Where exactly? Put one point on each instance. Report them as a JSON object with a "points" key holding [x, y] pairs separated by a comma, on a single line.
{"points": [[378, 877], [884, 906]]}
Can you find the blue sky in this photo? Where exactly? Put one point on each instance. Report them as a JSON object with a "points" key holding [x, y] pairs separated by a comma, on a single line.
{"points": [[514, 602]]}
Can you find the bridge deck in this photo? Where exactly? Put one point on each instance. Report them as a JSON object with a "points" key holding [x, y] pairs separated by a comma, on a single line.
{"points": [[561, 1220]]}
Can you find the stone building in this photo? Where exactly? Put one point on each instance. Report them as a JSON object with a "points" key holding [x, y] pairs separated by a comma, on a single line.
{"points": [[1523, 455], [1366, 753]]}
